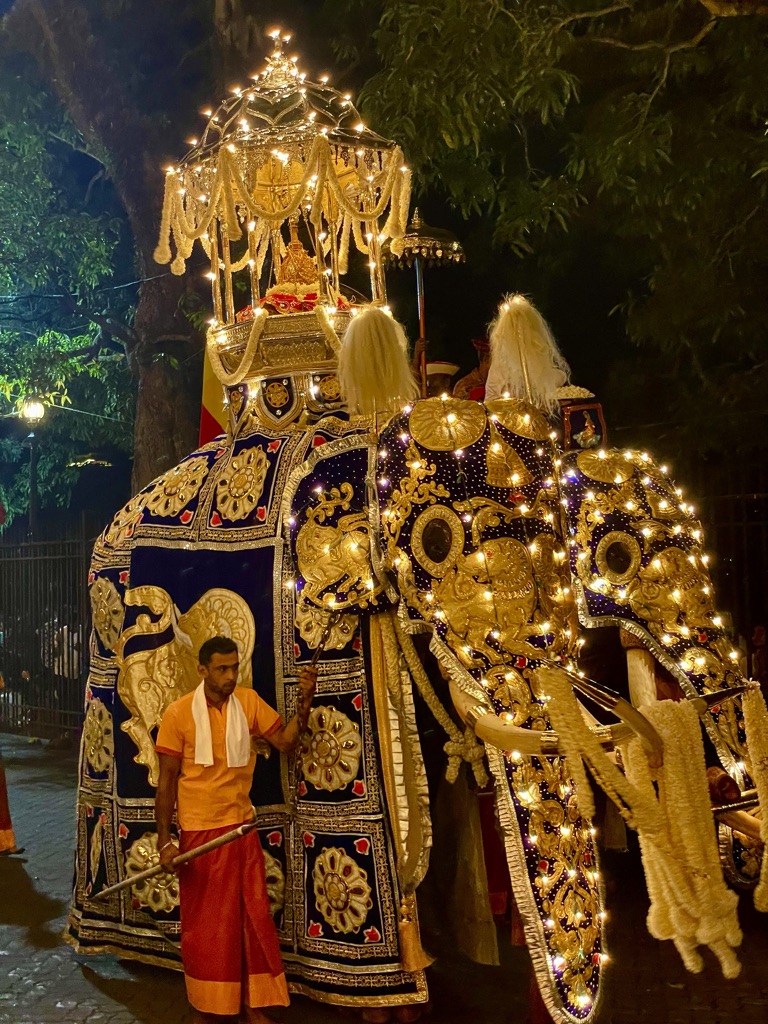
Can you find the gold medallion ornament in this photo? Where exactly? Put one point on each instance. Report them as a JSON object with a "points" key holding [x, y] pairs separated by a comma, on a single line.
{"points": [[437, 539], [329, 388], [618, 557], [98, 736], [444, 425], [331, 749], [177, 488], [241, 484], [160, 893], [342, 892], [107, 611], [521, 418], [276, 394], [608, 467]]}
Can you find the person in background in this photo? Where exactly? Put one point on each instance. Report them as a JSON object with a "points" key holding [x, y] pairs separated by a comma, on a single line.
{"points": [[472, 385], [440, 374], [8, 845]]}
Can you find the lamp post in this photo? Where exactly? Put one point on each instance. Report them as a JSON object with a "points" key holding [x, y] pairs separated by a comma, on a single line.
{"points": [[32, 412], [423, 245]]}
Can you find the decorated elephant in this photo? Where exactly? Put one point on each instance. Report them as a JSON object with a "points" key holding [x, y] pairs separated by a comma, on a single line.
{"points": [[338, 517]]}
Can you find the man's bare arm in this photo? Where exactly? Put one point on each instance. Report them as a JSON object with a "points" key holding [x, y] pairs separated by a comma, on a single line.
{"points": [[287, 737], [165, 805]]}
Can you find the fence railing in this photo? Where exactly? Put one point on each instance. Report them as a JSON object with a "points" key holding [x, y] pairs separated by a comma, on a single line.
{"points": [[44, 628]]}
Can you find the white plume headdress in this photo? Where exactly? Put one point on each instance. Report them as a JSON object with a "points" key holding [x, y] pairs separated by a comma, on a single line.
{"points": [[375, 375], [525, 360]]}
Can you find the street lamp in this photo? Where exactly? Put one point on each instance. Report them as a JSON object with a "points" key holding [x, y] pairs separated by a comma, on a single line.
{"points": [[422, 244], [32, 412]]}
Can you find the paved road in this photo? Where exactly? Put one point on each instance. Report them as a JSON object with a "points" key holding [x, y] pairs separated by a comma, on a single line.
{"points": [[42, 981]]}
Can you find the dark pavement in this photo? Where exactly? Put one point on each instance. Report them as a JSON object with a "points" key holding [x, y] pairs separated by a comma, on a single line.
{"points": [[42, 980]]}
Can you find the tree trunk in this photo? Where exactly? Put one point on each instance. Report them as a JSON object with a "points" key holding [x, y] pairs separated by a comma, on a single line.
{"points": [[165, 353]]}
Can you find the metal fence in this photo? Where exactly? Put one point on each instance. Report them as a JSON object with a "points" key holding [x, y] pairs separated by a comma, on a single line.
{"points": [[44, 628]]}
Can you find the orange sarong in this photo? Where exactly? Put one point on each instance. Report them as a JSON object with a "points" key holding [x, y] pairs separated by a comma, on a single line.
{"points": [[229, 943], [7, 838]]}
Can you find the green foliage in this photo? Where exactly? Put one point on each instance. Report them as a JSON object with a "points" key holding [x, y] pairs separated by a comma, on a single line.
{"points": [[59, 247], [629, 134]]}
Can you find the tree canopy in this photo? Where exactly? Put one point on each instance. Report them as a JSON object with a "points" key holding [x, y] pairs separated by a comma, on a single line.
{"points": [[628, 134], [61, 247]]}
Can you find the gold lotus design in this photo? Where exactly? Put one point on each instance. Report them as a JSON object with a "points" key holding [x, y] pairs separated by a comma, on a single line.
{"points": [[98, 736], [160, 893], [342, 892], [107, 611], [331, 750], [241, 484], [175, 489]]}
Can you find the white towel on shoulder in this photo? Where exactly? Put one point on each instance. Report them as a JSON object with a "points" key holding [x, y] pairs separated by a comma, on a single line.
{"points": [[237, 736]]}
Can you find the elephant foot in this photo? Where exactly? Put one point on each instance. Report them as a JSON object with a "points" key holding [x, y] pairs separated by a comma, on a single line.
{"points": [[376, 1015]]}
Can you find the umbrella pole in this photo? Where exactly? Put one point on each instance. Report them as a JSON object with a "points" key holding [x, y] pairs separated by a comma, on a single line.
{"points": [[422, 322]]}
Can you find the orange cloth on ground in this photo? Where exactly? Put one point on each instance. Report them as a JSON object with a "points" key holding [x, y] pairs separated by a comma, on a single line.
{"points": [[228, 940], [216, 795], [7, 838]]}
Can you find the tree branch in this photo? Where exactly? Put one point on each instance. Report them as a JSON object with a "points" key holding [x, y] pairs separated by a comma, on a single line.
{"points": [[653, 44], [744, 8], [623, 5]]}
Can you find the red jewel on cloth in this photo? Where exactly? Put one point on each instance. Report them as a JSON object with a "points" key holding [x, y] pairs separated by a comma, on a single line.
{"points": [[358, 787], [273, 445], [372, 934], [303, 789], [186, 516], [357, 702], [215, 519], [123, 831], [275, 838], [362, 846], [261, 513], [315, 930], [309, 839], [317, 441], [123, 577]]}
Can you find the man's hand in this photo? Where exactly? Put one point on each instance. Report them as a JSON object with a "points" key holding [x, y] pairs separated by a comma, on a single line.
{"points": [[167, 854], [307, 687], [419, 350]]}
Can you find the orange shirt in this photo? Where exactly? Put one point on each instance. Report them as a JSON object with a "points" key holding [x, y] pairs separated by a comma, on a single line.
{"points": [[217, 795]]}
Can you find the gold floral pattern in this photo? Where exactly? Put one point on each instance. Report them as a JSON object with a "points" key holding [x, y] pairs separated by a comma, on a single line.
{"points": [[160, 893], [241, 484], [311, 622], [98, 736], [107, 611], [175, 489], [275, 879], [331, 749], [125, 522], [342, 892]]}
